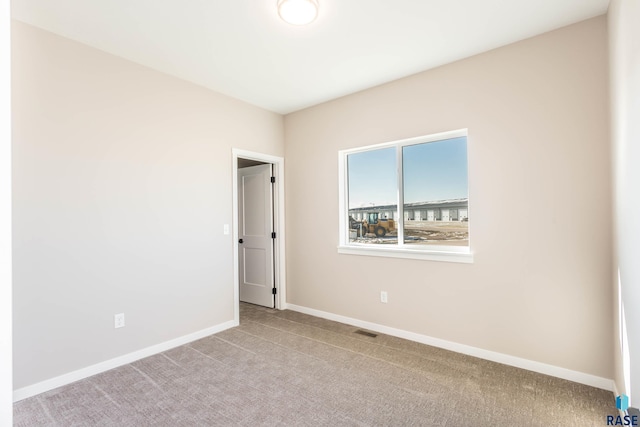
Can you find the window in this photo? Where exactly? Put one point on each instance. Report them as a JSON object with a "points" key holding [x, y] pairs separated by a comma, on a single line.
{"points": [[407, 199]]}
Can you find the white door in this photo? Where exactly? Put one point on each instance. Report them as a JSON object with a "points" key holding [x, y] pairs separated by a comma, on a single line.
{"points": [[255, 258]]}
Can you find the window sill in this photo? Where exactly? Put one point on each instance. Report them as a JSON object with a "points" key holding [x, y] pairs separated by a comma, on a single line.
{"points": [[427, 255]]}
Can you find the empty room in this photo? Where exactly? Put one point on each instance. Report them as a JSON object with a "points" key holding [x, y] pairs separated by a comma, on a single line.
{"points": [[320, 212]]}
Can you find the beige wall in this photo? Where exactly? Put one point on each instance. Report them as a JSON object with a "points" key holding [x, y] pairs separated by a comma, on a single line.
{"points": [[122, 183], [537, 114], [6, 385], [624, 37]]}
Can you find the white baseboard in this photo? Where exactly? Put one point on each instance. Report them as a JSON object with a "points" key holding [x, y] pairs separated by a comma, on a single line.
{"points": [[50, 384], [505, 359], [615, 389]]}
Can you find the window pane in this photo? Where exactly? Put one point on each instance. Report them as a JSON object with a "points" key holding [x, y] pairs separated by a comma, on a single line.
{"points": [[436, 193], [373, 196]]}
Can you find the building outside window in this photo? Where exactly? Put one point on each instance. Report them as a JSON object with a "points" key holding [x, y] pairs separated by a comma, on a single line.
{"points": [[409, 195]]}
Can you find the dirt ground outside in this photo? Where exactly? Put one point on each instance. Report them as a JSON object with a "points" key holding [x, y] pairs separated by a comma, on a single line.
{"points": [[443, 233]]}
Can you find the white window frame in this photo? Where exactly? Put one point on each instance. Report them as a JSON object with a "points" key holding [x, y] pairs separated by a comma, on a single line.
{"points": [[401, 250]]}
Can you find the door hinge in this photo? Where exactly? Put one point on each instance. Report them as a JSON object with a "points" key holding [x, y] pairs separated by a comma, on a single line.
{"points": [[274, 291], [273, 235], [273, 179]]}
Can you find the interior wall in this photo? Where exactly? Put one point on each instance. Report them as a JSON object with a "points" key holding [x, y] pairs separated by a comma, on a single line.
{"points": [[122, 184], [539, 187], [624, 36], [6, 385]]}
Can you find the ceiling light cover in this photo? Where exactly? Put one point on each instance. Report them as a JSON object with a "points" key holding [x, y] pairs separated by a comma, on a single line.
{"points": [[298, 12]]}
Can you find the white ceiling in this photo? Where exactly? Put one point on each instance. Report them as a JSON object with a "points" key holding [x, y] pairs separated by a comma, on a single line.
{"points": [[242, 49]]}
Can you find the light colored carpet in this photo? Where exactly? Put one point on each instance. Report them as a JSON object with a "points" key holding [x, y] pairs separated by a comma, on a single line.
{"points": [[287, 368]]}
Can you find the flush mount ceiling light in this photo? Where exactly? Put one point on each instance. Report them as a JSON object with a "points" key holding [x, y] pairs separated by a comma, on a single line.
{"points": [[298, 12]]}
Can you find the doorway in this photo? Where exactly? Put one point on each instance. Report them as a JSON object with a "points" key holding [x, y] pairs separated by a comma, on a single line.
{"points": [[256, 233], [258, 230]]}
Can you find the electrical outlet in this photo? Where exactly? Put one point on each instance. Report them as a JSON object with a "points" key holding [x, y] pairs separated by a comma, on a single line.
{"points": [[225, 229], [118, 320], [383, 296]]}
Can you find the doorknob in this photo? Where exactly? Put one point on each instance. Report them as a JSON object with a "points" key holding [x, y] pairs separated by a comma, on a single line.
{"points": [[240, 241]]}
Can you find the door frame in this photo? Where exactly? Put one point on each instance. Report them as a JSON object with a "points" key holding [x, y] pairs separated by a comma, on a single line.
{"points": [[279, 266]]}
